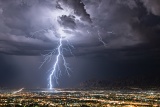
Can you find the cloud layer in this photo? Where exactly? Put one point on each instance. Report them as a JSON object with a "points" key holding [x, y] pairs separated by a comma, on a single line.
{"points": [[30, 27]]}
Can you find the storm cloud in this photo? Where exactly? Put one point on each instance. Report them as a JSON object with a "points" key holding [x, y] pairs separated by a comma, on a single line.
{"points": [[26, 26], [30, 29]]}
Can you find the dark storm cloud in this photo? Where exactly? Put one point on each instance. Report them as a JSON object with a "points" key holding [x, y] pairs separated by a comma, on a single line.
{"points": [[24, 28], [68, 21], [21, 19], [78, 7]]}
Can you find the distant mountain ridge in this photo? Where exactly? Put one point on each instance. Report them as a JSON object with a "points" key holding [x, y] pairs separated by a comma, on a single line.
{"points": [[139, 82]]}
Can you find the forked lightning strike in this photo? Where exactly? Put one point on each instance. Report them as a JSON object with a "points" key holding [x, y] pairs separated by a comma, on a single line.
{"points": [[59, 31], [56, 66], [54, 70]]}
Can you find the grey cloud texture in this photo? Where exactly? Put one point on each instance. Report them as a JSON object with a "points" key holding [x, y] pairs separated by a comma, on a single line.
{"points": [[152, 6], [78, 7], [27, 28]]}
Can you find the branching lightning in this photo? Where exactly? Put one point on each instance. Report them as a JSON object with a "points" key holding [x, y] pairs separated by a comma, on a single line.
{"points": [[58, 30], [55, 71], [55, 64]]}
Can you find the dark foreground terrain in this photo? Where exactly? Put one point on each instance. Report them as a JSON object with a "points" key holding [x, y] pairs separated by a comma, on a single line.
{"points": [[79, 98]]}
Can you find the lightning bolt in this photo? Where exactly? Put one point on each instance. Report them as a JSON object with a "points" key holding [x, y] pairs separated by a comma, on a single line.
{"points": [[53, 71], [59, 31], [54, 74]]}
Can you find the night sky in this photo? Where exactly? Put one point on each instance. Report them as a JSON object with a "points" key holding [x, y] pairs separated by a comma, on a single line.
{"points": [[129, 29]]}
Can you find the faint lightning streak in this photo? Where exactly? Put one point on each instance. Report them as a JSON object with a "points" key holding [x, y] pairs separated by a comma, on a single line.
{"points": [[48, 57], [69, 47], [101, 40], [66, 65], [15, 92], [99, 36]]}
